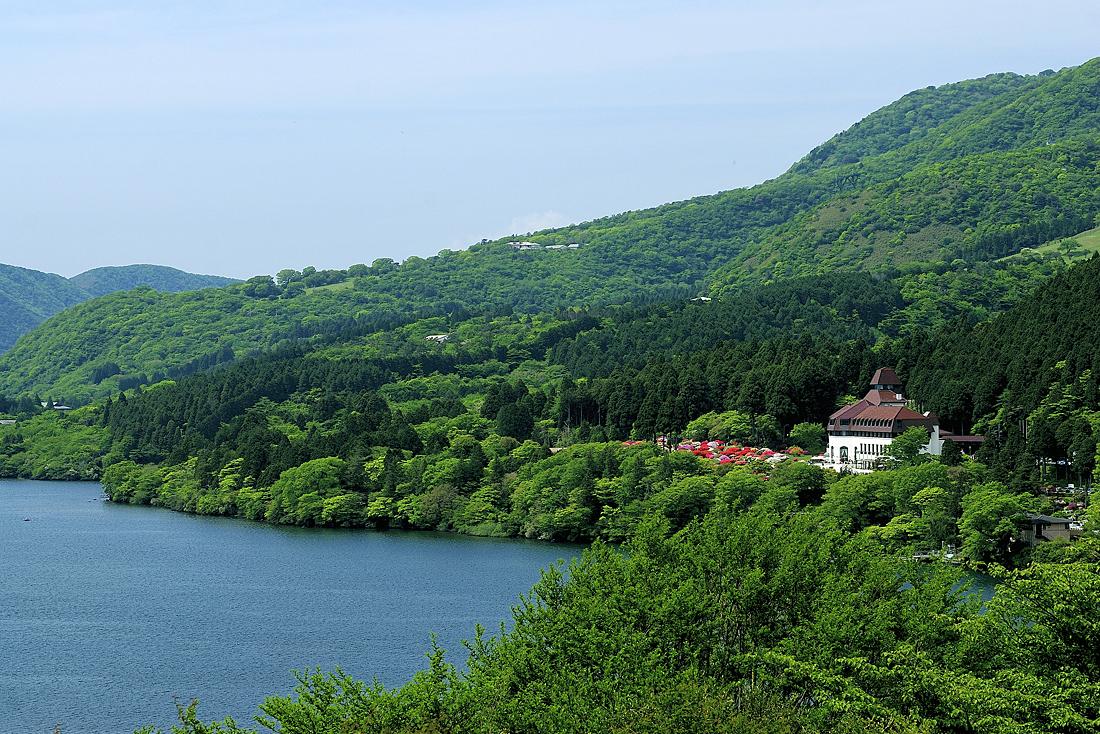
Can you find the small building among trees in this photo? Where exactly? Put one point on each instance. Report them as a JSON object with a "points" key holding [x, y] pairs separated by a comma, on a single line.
{"points": [[1044, 528]]}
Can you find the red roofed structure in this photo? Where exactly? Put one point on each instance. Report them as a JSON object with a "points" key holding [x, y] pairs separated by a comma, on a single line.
{"points": [[860, 433]]}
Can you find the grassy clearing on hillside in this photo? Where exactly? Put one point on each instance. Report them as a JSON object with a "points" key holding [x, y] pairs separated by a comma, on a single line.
{"points": [[343, 285], [1089, 241]]}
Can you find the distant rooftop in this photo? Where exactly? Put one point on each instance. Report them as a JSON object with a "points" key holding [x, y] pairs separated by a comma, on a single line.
{"points": [[886, 377], [537, 246]]}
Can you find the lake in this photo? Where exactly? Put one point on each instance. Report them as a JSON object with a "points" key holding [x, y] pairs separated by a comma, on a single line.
{"points": [[108, 612]]}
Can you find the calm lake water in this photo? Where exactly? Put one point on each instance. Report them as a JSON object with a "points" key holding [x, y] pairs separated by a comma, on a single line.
{"points": [[107, 611]]}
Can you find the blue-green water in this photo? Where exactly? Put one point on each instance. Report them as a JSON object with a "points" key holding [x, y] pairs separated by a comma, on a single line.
{"points": [[107, 612]]}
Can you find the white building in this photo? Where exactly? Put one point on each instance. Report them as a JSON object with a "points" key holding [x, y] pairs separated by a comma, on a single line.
{"points": [[859, 433]]}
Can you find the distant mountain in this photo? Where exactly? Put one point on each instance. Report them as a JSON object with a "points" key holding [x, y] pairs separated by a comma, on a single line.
{"points": [[29, 297], [101, 281]]}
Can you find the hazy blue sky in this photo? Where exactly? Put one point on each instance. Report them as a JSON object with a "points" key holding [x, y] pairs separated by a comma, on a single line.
{"points": [[240, 138]]}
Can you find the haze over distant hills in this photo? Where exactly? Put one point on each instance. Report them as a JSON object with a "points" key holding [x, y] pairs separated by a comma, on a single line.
{"points": [[947, 180], [29, 297]]}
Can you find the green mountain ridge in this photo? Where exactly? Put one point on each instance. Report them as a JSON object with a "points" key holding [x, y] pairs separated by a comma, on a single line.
{"points": [[952, 176], [976, 209], [29, 297], [102, 281]]}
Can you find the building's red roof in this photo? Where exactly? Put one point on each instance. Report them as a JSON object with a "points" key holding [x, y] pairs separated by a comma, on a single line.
{"points": [[878, 397], [884, 418], [890, 412], [849, 410], [885, 376], [880, 410]]}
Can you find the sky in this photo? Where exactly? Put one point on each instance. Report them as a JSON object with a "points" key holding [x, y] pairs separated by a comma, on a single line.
{"points": [[240, 138]]}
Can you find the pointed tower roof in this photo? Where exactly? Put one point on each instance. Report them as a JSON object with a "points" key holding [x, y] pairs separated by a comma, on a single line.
{"points": [[885, 377]]}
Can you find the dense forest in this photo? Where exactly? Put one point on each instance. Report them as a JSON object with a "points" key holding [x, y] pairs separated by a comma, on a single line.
{"points": [[507, 431], [342, 398]]}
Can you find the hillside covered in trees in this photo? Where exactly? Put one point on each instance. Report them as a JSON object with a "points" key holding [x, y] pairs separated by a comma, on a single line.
{"points": [[504, 429], [947, 181], [329, 398], [29, 297]]}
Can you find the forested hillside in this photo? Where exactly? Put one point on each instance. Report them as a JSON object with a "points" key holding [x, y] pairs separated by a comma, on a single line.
{"points": [[318, 398], [840, 305], [142, 336], [29, 297], [382, 427], [951, 177]]}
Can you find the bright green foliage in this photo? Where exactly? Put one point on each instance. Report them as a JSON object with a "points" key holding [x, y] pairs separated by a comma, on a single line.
{"points": [[738, 490], [927, 506], [1051, 608], [300, 495], [809, 437], [859, 501], [905, 450], [729, 426], [991, 517], [808, 482], [53, 445]]}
